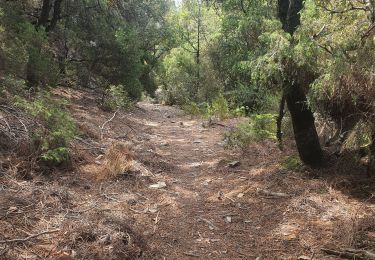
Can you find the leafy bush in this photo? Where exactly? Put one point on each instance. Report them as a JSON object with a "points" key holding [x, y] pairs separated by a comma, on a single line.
{"points": [[54, 130], [239, 111], [292, 163], [115, 98], [11, 85], [41, 67], [178, 78], [13, 57], [194, 109], [240, 137], [260, 127], [248, 96], [360, 137], [219, 108], [264, 126]]}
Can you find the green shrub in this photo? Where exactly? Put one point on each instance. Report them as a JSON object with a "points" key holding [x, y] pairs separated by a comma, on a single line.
{"points": [[178, 78], [248, 96], [13, 57], [42, 68], [219, 108], [11, 85], [260, 127], [240, 137], [194, 109], [292, 163], [54, 130], [264, 126], [239, 111], [360, 137], [116, 98]]}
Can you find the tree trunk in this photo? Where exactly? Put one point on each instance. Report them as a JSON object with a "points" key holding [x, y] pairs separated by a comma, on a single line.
{"points": [[198, 45], [306, 137], [56, 15], [279, 121], [44, 15], [371, 156], [305, 133]]}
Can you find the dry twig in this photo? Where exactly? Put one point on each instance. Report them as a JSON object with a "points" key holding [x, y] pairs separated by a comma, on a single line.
{"points": [[270, 194], [191, 254], [105, 123], [17, 240], [350, 253]]}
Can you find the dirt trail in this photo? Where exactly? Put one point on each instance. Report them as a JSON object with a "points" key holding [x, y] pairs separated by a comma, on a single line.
{"points": [[207, 210], [202, 215], [211, 211], [198, 215]]}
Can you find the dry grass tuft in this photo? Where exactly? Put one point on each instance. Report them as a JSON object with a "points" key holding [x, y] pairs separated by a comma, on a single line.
{"points": [[118, 160]]}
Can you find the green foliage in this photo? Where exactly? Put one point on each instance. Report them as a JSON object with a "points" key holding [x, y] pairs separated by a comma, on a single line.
{"points": [[109, 49], [240, 111], [359, 138], [13, 57], [343, 62], [25, 52], [240, 137], [264, 126], [234, 52], [194, 109], [55, 128], [183, 76], [11, 85], [219, 108], [260, 127], [179, 77], [116, 98], [292, 163]]}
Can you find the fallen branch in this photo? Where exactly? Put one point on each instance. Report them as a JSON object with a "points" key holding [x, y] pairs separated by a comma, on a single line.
{"points": [[229, 198], [17, 240], [350, 253], [219, 124], [136, 211], [105, 123], [191, 254], [271, 194], [83, 211], [209, 223], [156, 221], [367, 33]]}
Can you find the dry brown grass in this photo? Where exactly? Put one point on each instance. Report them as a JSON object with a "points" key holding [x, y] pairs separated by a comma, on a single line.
{"points": [[118, 160]]}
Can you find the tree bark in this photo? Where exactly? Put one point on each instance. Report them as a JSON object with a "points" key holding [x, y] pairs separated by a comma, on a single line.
{"points": [[279, 121], [198, 45], [56, 15], [305, 133], [371, 156], [303, 121], [44, 15]]}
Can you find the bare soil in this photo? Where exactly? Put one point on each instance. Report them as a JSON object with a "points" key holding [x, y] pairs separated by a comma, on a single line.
{"points": [[207, 209]]}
